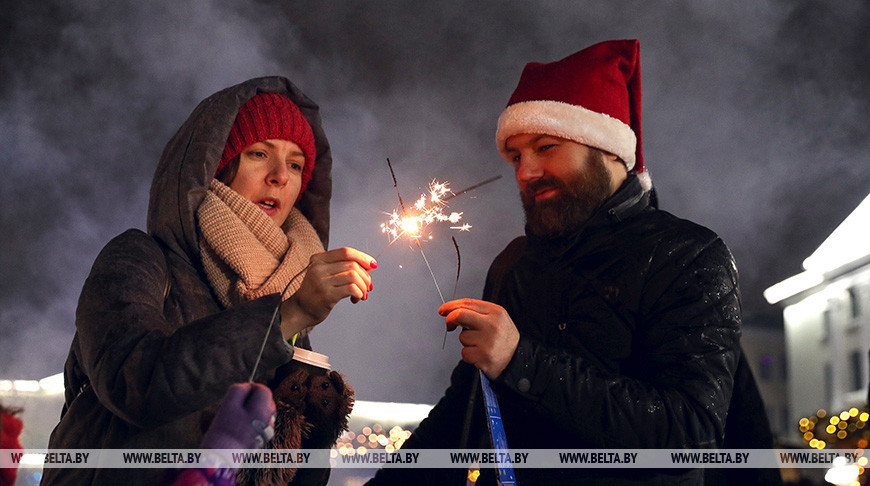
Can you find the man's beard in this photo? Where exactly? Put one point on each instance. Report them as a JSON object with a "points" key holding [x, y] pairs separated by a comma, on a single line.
{"points": [[577, 198]]}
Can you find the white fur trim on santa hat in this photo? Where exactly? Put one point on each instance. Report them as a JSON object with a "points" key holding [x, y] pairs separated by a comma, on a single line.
{"points": [[569, 121], [645, 180]]}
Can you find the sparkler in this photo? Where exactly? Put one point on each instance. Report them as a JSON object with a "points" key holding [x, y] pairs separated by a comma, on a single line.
{"points": [[272, 323], [455, 284], [425, 211], [428, 210]]}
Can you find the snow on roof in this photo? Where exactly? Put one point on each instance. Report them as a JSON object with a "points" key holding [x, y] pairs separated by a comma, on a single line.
{"points": [[848, 243]]}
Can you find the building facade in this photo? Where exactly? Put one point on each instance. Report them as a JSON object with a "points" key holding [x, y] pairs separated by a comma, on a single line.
{"points": [[826, 314]]}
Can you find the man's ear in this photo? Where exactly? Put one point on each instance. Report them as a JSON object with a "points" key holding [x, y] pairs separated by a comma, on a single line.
{"points": [[613, 158], [617, 168]]}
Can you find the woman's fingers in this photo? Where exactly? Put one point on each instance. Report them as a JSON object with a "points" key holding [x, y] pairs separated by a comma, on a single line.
{"points": [[364, 260], [332, 276], [346, 277]]}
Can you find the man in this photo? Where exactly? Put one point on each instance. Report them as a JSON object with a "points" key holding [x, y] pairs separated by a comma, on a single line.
{"points": [[611, 324]]}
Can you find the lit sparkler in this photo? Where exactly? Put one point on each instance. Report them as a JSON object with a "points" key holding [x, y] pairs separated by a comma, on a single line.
{"points": [[426, 211]]}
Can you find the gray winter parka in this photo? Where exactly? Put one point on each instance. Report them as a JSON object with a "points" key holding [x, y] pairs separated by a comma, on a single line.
{"points": [[154, 350]]}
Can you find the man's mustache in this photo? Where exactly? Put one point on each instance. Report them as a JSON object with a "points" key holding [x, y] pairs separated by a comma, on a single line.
{"points": [[537, 186]]}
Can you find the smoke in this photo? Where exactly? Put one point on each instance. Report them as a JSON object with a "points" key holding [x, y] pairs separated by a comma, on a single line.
{"points": [[92, 94], [753, 126]]}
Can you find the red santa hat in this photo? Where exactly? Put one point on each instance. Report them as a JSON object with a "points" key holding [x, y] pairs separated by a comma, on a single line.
{"points": [[591, 97]]}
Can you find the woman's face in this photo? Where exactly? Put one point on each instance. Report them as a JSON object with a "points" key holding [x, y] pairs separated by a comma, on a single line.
{"points": [[270, 176]]}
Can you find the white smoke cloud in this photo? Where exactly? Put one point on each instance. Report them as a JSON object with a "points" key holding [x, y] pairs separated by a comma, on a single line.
{"points": [[753, 126]]}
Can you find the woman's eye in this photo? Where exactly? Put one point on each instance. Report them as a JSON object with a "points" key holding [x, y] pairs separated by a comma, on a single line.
{"points": [[259, 154], [544, 148], [295, 166]]}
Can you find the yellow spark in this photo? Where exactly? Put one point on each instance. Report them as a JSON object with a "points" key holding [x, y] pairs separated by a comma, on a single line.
{"points": [[414, 222]]}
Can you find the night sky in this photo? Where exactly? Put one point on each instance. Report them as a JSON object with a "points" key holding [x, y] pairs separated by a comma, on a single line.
{"points": [[755, 125]]}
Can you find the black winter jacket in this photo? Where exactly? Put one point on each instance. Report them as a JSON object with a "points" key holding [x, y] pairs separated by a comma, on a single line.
{"points": [[154, 350], [629, 338]]}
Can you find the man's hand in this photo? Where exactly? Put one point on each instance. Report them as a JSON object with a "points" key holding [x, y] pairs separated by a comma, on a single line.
{"points": [[488, 335], [331, 276]]}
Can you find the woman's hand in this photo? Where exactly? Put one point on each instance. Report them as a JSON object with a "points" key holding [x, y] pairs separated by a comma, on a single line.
{"points": [[331, 276]]}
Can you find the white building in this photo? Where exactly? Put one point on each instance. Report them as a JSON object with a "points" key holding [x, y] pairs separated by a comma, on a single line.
{"points": [[826, 313]]}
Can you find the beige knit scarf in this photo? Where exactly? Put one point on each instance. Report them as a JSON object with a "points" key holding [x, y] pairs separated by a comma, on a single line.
{"points": [[245, 254]]}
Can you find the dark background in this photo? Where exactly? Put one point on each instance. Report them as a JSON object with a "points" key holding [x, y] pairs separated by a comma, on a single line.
{"points": [[755, 125]]}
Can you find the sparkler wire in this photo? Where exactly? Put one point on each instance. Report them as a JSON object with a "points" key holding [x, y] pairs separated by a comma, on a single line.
{"points": [[430, 272], [272, 323], [399, 235], [390, 244], [456, 283], [468, 189], [396, 185], [422, 253], [458, 265], [405, 213]]}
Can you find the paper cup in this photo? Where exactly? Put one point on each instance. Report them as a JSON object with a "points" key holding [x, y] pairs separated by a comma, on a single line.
{"points": [[317, 364]]}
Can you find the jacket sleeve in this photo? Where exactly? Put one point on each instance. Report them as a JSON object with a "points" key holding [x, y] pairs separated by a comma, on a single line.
{"points": [[441, 429], [148, 370], [686, 341]]}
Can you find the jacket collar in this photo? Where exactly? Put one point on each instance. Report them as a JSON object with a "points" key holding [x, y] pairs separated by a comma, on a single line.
{"points": [[629, 200]]}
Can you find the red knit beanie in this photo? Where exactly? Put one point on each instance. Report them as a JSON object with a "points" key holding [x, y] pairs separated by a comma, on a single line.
{"points": [[270, 116], [592, 97]]}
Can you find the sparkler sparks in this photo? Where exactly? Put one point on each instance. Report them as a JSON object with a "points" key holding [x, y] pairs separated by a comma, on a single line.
{"points": [[426, 211], [412, 224], [415, 222]]}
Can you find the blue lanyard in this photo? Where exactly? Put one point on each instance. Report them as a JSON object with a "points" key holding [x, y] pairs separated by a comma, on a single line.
{"points": [[496, 431]]}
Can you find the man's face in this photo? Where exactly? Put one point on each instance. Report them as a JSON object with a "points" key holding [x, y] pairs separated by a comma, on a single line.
{"points": [[561, 182]]}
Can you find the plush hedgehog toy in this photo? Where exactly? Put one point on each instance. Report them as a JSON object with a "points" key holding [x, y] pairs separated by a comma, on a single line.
{"points": [[313, 410]]}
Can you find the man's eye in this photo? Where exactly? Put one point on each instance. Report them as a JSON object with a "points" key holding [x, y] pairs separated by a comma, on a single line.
{"points": [[544, 148]]}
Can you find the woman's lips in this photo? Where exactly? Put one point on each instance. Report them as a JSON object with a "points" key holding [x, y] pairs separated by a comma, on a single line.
{"points": [[269, 206]]}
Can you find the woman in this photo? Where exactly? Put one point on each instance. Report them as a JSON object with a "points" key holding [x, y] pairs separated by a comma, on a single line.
{"points": [[168, 320]]}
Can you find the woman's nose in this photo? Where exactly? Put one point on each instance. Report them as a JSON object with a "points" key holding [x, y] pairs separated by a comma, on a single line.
{"points": [[279, 174]]}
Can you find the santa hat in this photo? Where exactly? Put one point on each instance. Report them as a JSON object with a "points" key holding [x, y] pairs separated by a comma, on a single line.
{"points": [[591, 97], [270, 116]]}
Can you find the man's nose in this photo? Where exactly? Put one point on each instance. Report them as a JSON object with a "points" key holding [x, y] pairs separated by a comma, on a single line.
{"points": [[528, 170]]}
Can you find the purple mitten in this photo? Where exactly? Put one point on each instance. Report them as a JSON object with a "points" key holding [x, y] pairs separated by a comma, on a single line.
{"points": [[244, 420]]}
